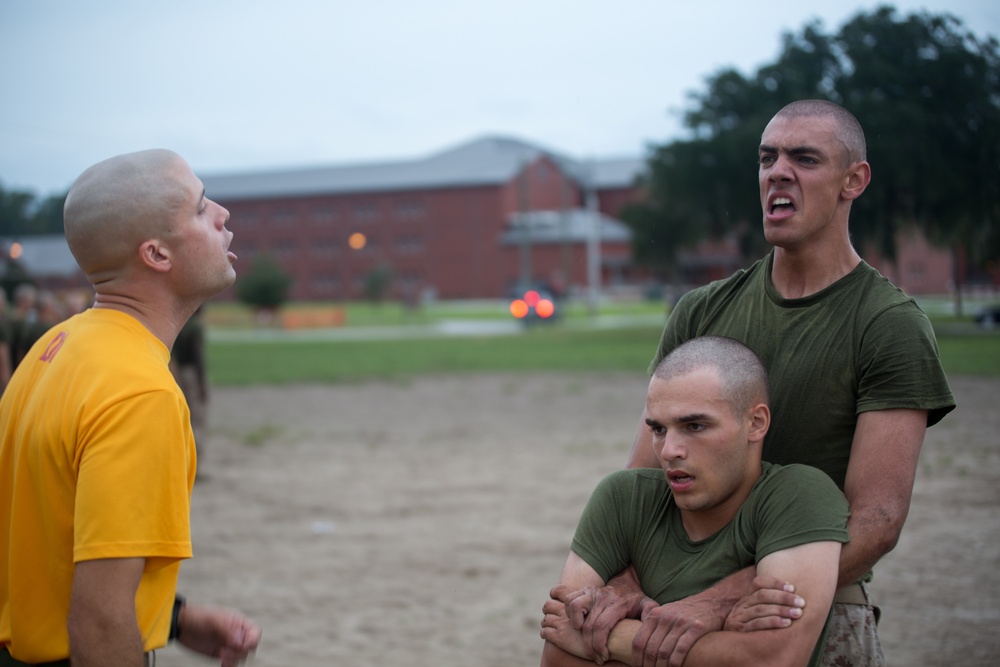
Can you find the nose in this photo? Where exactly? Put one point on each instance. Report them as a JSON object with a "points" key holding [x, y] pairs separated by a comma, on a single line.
{"points": [[781, 169], [671, 449]]}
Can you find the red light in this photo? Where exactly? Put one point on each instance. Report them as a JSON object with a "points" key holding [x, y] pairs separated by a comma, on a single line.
{"points": [[519, 309], [531, 297], [545, 308]]}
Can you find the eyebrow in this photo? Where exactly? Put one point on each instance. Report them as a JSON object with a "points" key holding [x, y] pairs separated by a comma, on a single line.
{"points": [[683, 419], [794, 150], [696, 417]]}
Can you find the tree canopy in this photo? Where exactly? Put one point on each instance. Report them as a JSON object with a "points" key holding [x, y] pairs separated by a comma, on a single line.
{"points": [[23, 214], [927, 92]]}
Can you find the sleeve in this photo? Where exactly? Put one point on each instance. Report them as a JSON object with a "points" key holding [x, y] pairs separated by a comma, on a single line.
{"points": [[799, 505], [601, 535], [133, 489], [901, 366]]}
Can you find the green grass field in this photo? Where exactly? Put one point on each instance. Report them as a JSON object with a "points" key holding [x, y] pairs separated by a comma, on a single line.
{"points": [[282, 360]]}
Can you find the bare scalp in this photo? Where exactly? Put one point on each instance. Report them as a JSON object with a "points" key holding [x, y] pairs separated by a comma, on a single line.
{"points": [[117, 204]]}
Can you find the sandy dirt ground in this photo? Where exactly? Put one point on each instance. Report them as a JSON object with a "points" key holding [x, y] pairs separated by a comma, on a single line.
{"points": [[422, 522]]}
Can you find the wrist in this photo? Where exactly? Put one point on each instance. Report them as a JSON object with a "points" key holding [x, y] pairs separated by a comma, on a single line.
{"points": [[620, 640], [175, 617]]}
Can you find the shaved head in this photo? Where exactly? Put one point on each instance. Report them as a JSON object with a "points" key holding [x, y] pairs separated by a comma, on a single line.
{"points": [[744, 379], [116, 205], [848, 128]]}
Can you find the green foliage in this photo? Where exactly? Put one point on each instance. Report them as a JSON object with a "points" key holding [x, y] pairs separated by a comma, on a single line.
{"points": [[22, 214], [927, 92], [264, 285], [377, 283]]}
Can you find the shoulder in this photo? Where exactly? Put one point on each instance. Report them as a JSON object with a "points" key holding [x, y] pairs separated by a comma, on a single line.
{"points": [[111, 347], [631, 487], [796, 504], [878, 296], [798, 482], [739, 280], [631, 478]]}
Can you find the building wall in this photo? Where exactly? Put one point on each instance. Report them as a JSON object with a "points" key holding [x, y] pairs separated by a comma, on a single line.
{"points": [[447, 241], [563, 267], [444, 240], [920, 268]]}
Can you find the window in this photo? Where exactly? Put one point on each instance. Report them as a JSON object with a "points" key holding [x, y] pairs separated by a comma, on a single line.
{"points": [[283, 217], [365, 210], [409, 244], [324, 213], [409, 209]]}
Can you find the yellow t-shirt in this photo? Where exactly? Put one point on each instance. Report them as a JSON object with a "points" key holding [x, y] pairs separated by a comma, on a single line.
{"points": [[97, 460]]}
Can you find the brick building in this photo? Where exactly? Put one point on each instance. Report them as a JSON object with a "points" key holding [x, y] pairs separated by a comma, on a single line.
{"points": [[474, 221]]}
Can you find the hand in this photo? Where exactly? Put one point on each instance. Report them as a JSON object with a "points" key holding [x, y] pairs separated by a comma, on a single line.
{"points": [[595, 611], [218, 633], [772, 604], [669, 631], [557, 630]]}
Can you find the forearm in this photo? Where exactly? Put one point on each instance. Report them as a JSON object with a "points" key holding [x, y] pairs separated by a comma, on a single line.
{"points": [[553, 656], [873, 534], [878, 486], [714, 649], [104, 642], [620, 640], [713, 605], [724, 595], [738, 649], [102, 624]]}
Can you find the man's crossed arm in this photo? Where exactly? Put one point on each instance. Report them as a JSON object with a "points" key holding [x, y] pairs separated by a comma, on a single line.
{"points": [[705, 629]]}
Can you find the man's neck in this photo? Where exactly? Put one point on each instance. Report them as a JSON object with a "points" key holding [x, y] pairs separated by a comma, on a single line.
{"points": [[162, 321], [703, 523], [796, 274]]}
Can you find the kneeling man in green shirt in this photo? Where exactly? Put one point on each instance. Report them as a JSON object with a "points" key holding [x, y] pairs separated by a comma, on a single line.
{"points": [[712, 509]]}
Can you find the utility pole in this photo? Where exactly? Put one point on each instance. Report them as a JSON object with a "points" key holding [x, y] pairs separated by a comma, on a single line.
{"points": [[593, 242], [525, 225]]}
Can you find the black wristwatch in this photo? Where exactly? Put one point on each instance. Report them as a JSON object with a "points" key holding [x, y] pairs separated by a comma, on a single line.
{"points": [[175, 626]]}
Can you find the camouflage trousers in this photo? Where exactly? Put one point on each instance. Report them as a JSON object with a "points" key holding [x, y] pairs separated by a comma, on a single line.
{"points": [[852, 639]]}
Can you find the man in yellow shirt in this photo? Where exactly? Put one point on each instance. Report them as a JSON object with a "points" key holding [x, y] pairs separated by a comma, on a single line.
{"points": [[97, 457]]}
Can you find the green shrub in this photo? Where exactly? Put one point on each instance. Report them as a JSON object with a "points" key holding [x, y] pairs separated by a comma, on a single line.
{"points": [[265, 285]]}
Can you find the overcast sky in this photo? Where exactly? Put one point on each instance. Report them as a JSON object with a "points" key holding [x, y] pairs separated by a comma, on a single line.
{"points": [[237, 85]]}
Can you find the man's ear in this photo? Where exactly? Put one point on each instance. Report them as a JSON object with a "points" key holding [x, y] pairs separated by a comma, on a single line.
{"points": [[856, 179], [760, 421], [154, 255]]}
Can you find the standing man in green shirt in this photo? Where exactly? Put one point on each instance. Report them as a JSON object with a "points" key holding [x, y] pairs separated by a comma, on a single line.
{"points": [[853, 364]]}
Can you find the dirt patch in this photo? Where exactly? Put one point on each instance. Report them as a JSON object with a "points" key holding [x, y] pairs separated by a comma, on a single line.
{"points": [[422, 522]]}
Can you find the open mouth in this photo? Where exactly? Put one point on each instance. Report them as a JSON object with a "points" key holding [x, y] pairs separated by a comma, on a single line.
{"points": [[781, 204], [679, 477]]}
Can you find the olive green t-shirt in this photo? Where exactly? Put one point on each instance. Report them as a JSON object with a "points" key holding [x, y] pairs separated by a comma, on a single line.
{"points": [[631, 518], [858, 345]]}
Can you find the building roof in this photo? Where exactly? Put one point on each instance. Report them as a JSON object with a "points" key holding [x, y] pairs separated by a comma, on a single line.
{"points": [[44, 256], [485, 161]]}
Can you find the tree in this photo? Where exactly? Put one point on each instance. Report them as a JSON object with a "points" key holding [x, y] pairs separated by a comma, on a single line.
{"points": [[928, 94], [377, 283], [22, 214], [265, 284]]}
